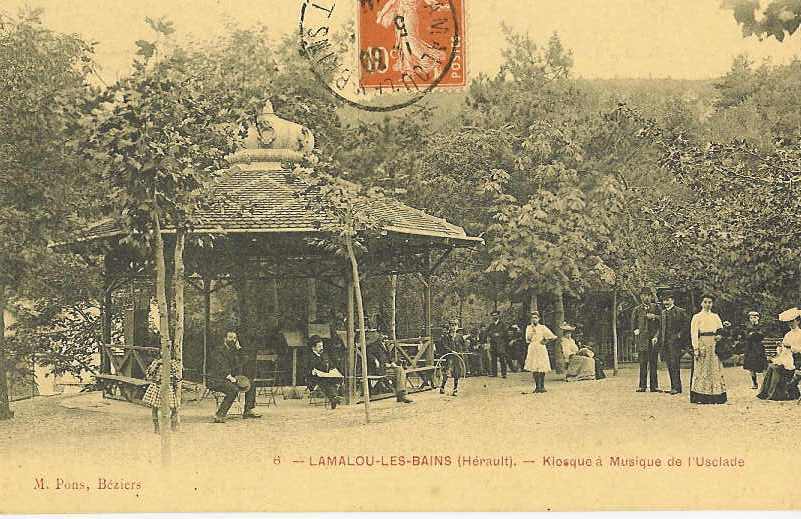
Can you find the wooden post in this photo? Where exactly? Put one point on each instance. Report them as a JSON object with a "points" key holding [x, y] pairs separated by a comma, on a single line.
{"points": [[393, 332], [311, 301], [427, 283], [614, 331], [558, 357], [276, 310], [351, 338], [207, 285]]}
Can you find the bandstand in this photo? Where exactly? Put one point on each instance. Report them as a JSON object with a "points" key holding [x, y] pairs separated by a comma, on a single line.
{"points": [[261, 228]]}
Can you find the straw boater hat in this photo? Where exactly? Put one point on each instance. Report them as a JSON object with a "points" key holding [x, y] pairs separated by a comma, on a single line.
{"points": [[753, 312], [566, 327], [790, 314]]}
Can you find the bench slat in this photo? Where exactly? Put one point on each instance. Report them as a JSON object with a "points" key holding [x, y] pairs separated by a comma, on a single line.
{"points": [[127, 380]]}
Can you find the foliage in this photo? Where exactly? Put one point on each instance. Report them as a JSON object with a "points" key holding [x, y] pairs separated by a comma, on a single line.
{"points": [[44, 188], [776, 18]]}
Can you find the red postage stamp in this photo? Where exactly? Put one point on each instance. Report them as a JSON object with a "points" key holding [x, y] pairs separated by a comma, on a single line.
{"points": [[407, 44]]}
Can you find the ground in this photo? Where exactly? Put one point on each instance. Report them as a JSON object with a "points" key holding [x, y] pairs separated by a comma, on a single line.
{"points": [[410, 456]]}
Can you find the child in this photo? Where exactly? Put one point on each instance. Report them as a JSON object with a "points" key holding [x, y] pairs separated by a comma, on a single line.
{"points": [[153, 394], [537, 360], [754, 358]]}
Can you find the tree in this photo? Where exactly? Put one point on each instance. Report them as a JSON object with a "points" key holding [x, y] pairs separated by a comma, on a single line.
{"points": [[161, 136], [778, 18], [43, 184], [345, 217]]}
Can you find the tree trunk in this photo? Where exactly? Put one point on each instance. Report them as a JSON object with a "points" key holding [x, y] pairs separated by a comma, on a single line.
{"points": [[164, 332], [178, 288], [614, 332], [533, 301], [5, 408], [357, 289], [351, 338], [560, 317]]}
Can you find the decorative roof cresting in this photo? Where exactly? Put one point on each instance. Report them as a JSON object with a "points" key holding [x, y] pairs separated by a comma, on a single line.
{"points": [[272, 141]]}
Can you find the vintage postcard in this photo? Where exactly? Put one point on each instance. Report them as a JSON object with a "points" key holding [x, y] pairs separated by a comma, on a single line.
{"points": [[399, 255]]}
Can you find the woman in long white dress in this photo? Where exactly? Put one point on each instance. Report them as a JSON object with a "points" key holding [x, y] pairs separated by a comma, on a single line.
{"points": [[537, 360], [706, 383]]}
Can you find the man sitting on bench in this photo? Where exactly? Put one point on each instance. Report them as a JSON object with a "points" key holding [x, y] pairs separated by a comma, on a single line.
{"points": [[323, 373], [377, 355]]}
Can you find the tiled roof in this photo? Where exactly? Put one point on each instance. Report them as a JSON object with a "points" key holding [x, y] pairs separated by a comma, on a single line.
{"points": [[276, 201]]}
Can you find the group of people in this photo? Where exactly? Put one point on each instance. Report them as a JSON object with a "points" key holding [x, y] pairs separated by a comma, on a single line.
{"points": [[500, 348], [664, 330], [711, 340]]}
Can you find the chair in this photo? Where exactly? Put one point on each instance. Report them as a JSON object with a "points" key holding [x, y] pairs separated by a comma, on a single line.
{"points": [[317, 397], [270, 385]]}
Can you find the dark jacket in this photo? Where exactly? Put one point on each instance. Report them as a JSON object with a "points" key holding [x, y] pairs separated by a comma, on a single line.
{"points": [[319, 362], [449, 343], [675, 327], [224, 362], [648, 326], [497, 335]]}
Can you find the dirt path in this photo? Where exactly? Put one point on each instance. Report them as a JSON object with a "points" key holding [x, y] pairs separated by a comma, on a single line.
{"points": [[544, 438]]}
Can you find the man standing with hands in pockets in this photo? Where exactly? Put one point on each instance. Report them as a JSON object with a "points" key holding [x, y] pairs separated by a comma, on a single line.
{"points": [[674, 326], [645, 321]]}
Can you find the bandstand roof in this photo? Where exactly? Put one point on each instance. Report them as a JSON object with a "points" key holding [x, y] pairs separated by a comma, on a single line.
{"points": [[259, 201], [256, 196]]}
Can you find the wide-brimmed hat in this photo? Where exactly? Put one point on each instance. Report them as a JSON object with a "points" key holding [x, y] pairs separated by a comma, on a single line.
{"points": [[495, 313], [646, 290], [242, 382], [790, 314], [566, 327], [666, 293], [753, 312]]}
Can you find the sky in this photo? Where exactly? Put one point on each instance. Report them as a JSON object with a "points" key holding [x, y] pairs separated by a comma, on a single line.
{"points": [[680, 39]]}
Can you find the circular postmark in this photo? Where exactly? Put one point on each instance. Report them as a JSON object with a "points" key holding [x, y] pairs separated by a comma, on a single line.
{"points": [[383, 55]]}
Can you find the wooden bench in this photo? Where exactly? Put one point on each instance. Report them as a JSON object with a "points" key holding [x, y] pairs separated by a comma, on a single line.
{"points": [[771, 345], [129, 388]]}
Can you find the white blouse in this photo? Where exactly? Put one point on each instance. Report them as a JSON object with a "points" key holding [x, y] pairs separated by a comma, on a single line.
{"points": [[704, 322], [569, 347], [793, 340], [538, 334]]}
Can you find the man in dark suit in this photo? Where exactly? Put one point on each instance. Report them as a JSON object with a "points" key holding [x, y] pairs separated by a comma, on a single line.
{"points": [[498, 339], [645, 323], [319, 366], [226, 364], [673, 338]]}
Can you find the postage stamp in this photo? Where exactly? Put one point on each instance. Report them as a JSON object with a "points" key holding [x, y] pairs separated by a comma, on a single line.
{"points": [[406, 42], [384, 55]]}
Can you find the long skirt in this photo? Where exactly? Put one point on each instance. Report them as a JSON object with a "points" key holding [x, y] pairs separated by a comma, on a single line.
{"points": [[706, 381], [537, 359], [153, 396], [776, 384], [580, 367]]}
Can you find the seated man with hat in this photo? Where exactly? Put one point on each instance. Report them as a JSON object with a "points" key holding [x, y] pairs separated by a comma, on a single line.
{"points": [[225, 376]]}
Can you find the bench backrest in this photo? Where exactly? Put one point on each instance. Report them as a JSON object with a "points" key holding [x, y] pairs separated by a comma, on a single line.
{"points": [[771, 344]]}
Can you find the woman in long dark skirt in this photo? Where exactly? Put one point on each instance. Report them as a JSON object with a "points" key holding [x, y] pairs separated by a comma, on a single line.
{"points": [[754, 358]]}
